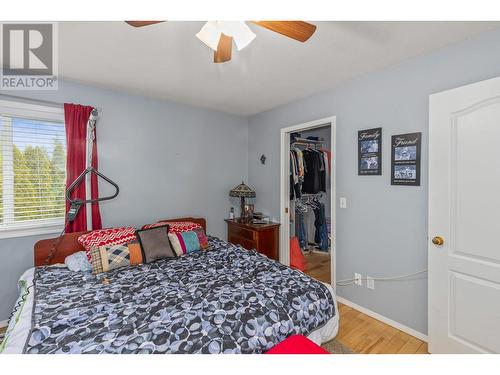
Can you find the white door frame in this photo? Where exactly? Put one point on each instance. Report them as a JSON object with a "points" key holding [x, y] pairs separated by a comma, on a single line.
{"points": [[284, 254]]}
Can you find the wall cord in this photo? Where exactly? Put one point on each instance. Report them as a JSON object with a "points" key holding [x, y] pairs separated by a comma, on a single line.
{"points": [[347, 282]]}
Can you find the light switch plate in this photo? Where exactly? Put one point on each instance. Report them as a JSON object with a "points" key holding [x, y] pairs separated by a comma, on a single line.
{"points": [[343, 202], [370, 282]]}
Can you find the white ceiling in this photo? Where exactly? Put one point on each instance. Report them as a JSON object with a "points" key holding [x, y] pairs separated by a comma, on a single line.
{"points": [[167, 61]]}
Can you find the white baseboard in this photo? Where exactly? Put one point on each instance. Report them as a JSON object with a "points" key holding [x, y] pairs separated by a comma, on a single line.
{"points": [[3, 323], [383, 319]]}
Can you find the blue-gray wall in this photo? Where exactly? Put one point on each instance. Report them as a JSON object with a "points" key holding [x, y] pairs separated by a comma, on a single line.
{"points": [[168, 159], [383, 231]]}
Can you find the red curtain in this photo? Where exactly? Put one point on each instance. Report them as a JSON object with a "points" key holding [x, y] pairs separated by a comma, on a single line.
{"points": [[76, 117]]}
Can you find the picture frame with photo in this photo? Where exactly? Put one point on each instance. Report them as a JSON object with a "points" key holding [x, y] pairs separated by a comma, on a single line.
{"points": [[405, 159], [370, 152]]}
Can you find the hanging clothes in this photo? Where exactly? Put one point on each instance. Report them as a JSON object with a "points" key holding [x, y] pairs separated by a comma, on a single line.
{"points": [[314, 175], [300, 228], [321, 234], [297, 169], [309, 220], [310, 171], [328, 167], [322, 171], [295, 177]]}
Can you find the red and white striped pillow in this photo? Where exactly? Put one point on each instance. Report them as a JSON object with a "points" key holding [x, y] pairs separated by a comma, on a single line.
{"points": [[106, 237], [176, 226]]}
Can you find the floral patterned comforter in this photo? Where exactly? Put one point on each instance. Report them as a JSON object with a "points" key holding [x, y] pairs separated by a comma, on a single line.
{"points": [[223, 300]]}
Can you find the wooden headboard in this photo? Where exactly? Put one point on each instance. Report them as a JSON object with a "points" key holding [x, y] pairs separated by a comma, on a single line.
{"points": [[69, 244]]}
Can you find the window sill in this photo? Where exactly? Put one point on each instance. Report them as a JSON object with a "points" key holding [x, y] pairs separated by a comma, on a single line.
{"points": [[31, 230]]}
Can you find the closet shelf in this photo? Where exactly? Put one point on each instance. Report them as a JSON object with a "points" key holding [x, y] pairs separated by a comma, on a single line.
{"points": [[306, 141]]}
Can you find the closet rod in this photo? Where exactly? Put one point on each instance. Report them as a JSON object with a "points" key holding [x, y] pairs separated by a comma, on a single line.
{"points": [[308, 145], [312, 194], [312, 141]]}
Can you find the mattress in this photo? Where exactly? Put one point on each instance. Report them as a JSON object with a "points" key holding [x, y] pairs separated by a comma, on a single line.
{"points": [[310, 310]]}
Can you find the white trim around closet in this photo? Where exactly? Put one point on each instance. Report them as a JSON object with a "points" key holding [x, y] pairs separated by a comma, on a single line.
{"points": [[284, 251]]}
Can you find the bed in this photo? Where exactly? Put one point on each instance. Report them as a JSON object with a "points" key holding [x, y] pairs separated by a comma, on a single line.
{"points": [[223, 300]]}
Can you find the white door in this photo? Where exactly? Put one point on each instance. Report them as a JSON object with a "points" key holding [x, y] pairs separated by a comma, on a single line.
{"points": [[464, 213]]}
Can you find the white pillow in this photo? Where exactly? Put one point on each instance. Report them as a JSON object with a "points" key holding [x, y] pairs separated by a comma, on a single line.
{"points": [[78, 262]]}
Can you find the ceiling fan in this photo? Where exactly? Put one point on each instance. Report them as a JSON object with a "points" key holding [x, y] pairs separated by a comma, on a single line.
{"points": [[219, 35]]}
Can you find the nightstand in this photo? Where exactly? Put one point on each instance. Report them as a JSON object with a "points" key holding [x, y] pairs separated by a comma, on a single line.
{"points": [[262, 237]]}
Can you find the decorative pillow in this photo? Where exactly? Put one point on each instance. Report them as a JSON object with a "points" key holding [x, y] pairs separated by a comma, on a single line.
{"points": [[154, 243], [110, 236], [176, 226], [135, 252], [95, 260], [202, 238], [188, 242], [78, 262], [108, 257]]}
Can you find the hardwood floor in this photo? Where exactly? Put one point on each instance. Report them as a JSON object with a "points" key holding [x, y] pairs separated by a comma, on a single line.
{"points": [[318, 266], [366, 335]]}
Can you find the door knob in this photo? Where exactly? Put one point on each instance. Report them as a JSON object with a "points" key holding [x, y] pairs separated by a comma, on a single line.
{"points": [[438, 241]]}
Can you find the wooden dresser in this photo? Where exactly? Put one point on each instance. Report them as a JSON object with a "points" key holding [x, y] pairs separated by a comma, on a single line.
{"points": [[262, 237]]}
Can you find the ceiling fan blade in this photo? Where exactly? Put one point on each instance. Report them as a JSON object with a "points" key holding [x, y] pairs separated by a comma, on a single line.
{"points": [[298, 30], [224, 49], [142, 23]]}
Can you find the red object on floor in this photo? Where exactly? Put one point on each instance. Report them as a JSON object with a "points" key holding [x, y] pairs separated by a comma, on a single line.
{"points": [[297, 344], [297, 259]]}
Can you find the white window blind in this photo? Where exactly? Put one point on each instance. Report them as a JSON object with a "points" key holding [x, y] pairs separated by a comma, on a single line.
{"points": [[33, 171]]}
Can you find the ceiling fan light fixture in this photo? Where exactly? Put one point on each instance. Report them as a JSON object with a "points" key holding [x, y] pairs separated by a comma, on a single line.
{"points": [[239, 30], [210, 34]]}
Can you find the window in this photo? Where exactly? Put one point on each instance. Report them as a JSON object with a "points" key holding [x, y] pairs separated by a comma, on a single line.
{"points": [[32, 169]]}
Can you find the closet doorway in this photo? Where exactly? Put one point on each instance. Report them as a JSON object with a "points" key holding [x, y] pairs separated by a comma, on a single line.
{"points": [[307, 196]]}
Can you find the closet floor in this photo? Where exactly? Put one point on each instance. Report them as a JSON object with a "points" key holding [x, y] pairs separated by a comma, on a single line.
{"points": [[318, 266]]}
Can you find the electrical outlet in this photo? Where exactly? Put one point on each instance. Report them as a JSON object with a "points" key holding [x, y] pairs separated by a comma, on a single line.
{"points": [[358, 279], [370, 282]]}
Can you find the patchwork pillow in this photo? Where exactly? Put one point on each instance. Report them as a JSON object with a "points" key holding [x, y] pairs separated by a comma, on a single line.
{"points": [[175, 226], [188, 242], [108, 257], [155, 243], [104, 237]]}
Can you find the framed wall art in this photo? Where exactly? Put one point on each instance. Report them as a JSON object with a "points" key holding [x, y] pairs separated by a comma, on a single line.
{"points": [[405, 159], [370, 152]]}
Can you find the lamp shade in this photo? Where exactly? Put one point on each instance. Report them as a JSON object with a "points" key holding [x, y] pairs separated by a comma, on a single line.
{"points": [[242, 191]]}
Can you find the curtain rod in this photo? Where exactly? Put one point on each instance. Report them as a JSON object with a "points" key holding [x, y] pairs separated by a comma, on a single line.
{"points": [[27, 99]]}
